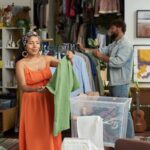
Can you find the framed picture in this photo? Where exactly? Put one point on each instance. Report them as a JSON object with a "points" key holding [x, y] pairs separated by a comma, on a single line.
{"points": [[142, 63], [143, 23]]}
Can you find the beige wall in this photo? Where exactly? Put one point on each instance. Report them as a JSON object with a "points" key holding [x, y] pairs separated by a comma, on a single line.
{"points": [[130, 18]]}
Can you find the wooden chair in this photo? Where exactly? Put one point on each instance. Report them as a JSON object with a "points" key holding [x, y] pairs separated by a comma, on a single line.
{"points": [[131, 144]]}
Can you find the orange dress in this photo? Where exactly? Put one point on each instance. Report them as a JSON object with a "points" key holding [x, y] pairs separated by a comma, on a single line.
{"points": [[37, 115]]}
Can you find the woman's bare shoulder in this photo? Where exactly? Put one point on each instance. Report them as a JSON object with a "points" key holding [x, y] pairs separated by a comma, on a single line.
{"points": [[21, 63]]}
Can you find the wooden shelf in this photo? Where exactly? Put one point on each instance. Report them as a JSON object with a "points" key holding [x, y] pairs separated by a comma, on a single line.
{"points": [[47, 40], [12, 48], [11, 87]]}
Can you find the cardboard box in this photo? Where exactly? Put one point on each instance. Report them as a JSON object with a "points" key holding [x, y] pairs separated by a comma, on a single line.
{"points": [[7, 119]]}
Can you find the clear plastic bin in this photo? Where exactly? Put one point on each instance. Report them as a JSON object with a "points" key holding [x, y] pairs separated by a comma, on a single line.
{"points": [[113, 110]]}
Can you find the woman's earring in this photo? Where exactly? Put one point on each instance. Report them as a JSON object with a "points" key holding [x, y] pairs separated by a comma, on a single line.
{"points": [[24, 53]]}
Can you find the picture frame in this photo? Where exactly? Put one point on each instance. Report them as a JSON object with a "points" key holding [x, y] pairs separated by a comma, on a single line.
{"points": [[143, 23], [141, 63]]}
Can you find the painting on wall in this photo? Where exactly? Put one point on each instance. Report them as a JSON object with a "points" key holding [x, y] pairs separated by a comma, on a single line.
{"points": [[142, 63], [143, 23]]}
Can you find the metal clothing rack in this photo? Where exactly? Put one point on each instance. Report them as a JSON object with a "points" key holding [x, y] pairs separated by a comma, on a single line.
{"points": [[58, 50]]}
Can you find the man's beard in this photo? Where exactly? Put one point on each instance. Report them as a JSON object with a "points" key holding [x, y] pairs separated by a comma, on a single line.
{"points": [[113, 36]]}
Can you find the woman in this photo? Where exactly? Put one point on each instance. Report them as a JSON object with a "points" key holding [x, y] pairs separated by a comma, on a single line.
{"points": [[37, 110]]}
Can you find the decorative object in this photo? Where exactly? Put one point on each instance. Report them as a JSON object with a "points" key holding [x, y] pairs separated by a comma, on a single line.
{"points": [[9, 43], [24, 54], [8, 15], [143, 23], [142, 63], [43, 33], [22, 18], [138, 114]]}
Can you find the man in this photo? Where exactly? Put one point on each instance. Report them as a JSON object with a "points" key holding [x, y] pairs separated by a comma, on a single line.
{"points": [[119, 57]]}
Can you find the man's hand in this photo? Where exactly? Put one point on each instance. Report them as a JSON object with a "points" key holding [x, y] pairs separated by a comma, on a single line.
{"points": [[97, 53], [100, 56]]}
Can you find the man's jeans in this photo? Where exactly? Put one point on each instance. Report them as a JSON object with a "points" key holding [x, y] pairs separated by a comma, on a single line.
{"points": [[123, 91]]}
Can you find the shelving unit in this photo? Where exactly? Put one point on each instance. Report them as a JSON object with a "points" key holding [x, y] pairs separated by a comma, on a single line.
{"points": [[9, 39]]}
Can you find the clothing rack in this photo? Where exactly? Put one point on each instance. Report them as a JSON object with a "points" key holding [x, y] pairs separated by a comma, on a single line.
{"points": [[59, 50]]}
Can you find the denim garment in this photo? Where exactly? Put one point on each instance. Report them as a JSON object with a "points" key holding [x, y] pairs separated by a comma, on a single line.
{"points": [[120, 62], [119, 90]]}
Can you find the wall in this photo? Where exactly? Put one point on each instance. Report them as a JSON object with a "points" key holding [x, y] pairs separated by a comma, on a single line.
{"points": [[130, 18], [19, 3]]}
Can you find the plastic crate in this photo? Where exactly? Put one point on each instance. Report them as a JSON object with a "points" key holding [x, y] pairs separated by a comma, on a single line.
{"points": [[113, 110]]}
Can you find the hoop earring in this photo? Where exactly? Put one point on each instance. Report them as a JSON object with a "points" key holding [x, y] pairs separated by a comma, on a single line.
{"points": [[24, 53]]}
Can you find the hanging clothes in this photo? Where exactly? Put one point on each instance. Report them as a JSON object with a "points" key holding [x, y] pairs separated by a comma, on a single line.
{"points": [[91, 33], [40, 12], [80, 70], [109, 6], [62, 83], [89, 70], [82, 34], [97, 73]]}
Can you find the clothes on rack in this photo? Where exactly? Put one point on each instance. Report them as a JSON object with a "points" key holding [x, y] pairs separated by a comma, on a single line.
{"points": [[87, 69], [80, 70], [40, 12], [109, 6], [96, 73], [81, 18], [61, 90], [71, 8]]}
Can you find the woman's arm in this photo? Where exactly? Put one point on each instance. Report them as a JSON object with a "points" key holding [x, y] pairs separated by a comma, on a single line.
{"points": [[21, 79], [54, 61]]}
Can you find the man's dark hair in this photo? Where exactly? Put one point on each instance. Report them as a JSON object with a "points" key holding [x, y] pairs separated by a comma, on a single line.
{"points": [[119, 23]]}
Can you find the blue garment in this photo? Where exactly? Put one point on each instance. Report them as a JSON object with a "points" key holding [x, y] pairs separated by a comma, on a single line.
{"points": [[81, 73], [119, 90], [80, 70]]}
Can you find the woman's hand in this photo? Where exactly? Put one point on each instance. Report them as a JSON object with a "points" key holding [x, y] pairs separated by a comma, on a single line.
{"points": [[69, 55], [41, 89]]}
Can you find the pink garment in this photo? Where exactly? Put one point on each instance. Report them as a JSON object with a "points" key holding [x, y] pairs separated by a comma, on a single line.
{"points": [[109, 6]]}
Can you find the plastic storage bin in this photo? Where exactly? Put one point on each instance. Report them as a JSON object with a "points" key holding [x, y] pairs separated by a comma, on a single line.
{"points": [[113, 110]]}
